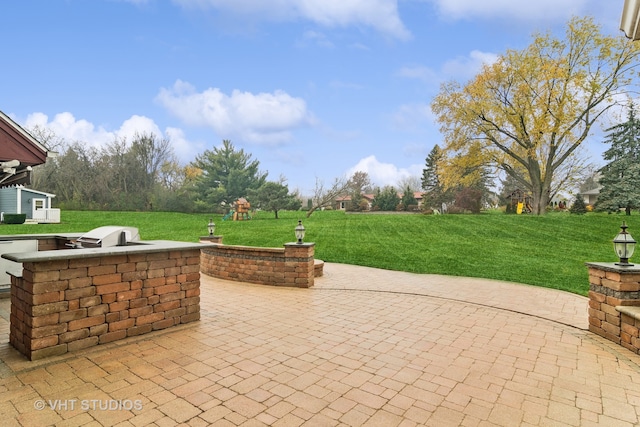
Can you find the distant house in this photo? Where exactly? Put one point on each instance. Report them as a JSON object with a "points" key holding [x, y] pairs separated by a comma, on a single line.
{"points": [[590, 196], [19, 153], [342, 202]]}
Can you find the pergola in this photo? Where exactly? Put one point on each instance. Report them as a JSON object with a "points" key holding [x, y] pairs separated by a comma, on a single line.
{"points": [[19, 152], [631, 19]]}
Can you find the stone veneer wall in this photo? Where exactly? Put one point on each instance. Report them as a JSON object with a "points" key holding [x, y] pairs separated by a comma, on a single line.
{"points": [[69, 304], [291, 266], [612, 291]]}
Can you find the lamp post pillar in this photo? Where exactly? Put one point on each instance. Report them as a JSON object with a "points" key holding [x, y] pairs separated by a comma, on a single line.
{"points": [[614, 303]]}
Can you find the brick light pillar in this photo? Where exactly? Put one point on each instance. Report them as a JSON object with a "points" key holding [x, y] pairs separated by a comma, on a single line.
{"points": [[299, 264], [614, 303]]}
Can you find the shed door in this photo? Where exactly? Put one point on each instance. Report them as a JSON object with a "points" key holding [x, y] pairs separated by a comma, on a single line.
{"points": [[38, 204]]}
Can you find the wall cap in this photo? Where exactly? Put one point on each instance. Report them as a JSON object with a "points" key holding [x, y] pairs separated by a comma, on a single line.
{"points": [[612, 266], [300, 245], [629, 310]]}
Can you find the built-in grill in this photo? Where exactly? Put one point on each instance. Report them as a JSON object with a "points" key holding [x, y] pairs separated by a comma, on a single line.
{"points": [[107, 236]]}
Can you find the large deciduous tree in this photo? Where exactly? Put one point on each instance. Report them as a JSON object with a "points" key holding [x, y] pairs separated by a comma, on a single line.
{"points": [[530, 110], [620, 177], [357, 185]]}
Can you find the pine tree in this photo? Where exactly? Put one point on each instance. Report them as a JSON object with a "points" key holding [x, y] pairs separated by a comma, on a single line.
{"points": [[620, 178], [578, 206], [408, 199], [434, 194]]}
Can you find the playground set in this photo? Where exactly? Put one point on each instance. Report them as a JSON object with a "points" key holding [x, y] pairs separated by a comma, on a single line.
{"points": [[240, 210], [520, 202]]}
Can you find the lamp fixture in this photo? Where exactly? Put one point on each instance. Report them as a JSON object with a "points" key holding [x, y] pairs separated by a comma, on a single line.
{"points": [[211, 226], [624, 245], [299, 232]]}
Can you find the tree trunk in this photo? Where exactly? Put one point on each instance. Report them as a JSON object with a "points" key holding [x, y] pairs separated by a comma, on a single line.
{"points": [[540, 186]]}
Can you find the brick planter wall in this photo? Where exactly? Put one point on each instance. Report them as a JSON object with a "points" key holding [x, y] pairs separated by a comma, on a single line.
{"points": [[63, 305], [614, 298], [291, 266]]}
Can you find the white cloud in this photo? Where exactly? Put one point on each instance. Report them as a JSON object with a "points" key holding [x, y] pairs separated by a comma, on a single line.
{"points": [[382, 15], [464, 68], [418, 72], [66, 127], [460, 68], [519, 10], [138, 124], [383, 174], [412, 116], [315, 38], [263, 118]]}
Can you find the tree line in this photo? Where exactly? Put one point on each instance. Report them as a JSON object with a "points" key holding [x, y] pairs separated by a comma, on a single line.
{"points": [[143, 174]]}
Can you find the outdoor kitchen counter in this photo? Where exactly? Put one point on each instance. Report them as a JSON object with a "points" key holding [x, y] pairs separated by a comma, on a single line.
{"points": [[147, 246], [68, 299]]}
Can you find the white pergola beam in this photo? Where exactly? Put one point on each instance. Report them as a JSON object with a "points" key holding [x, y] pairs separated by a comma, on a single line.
{"points": [[630, 16]]}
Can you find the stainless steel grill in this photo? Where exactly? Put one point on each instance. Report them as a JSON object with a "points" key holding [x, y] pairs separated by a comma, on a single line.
{"points": [[107, 236]]}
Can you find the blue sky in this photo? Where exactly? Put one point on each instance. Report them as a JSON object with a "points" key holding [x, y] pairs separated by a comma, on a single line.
{"points": [[313, 89]]}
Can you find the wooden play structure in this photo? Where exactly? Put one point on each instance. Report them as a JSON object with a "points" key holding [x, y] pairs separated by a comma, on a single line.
{"points": [[240, 211], [520, 202]]}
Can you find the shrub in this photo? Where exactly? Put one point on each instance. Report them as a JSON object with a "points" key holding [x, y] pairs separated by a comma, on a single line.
{"points": [[469, 199], [456, 210], [15, 218], [578, 206]]}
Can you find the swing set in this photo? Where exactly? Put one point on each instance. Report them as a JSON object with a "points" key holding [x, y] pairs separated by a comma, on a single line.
{"points": [[520, 202]]}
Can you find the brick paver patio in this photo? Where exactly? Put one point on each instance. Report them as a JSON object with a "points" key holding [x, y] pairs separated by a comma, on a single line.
{"points": [[364, 347]]}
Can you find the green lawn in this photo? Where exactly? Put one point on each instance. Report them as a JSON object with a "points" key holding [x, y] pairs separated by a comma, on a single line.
{"points": [[545, 251]]}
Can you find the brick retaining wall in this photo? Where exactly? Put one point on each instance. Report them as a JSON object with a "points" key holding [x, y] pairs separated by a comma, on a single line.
{"points": [[69, 304], [293, 265]]}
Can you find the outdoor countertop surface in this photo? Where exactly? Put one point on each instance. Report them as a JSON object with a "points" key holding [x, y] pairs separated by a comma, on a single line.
{"points": [[139, 247], [12, 237]]}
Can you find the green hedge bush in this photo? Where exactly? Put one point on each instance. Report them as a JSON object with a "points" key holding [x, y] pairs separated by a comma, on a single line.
{"points": [[15, 218]]}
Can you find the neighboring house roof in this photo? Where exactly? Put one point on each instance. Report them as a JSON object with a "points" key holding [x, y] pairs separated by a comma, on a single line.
{"points": [[592, 192], [19, 152]]}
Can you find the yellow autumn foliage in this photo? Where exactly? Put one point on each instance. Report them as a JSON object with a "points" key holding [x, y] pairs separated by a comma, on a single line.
{"points": [[528, 112]]}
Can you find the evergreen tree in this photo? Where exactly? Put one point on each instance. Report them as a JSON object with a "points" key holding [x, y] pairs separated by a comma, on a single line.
{"points": [[620, 177], [274, 197], [386, 199], [434, 194], [408, 198], [578, 206], [227, 174]]}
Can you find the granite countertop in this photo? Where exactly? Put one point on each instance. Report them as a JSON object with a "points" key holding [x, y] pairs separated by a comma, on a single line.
{"points": [[137, 247]]}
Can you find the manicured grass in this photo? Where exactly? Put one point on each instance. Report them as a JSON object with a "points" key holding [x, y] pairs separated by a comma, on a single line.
{"points": [[545, 251]]}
